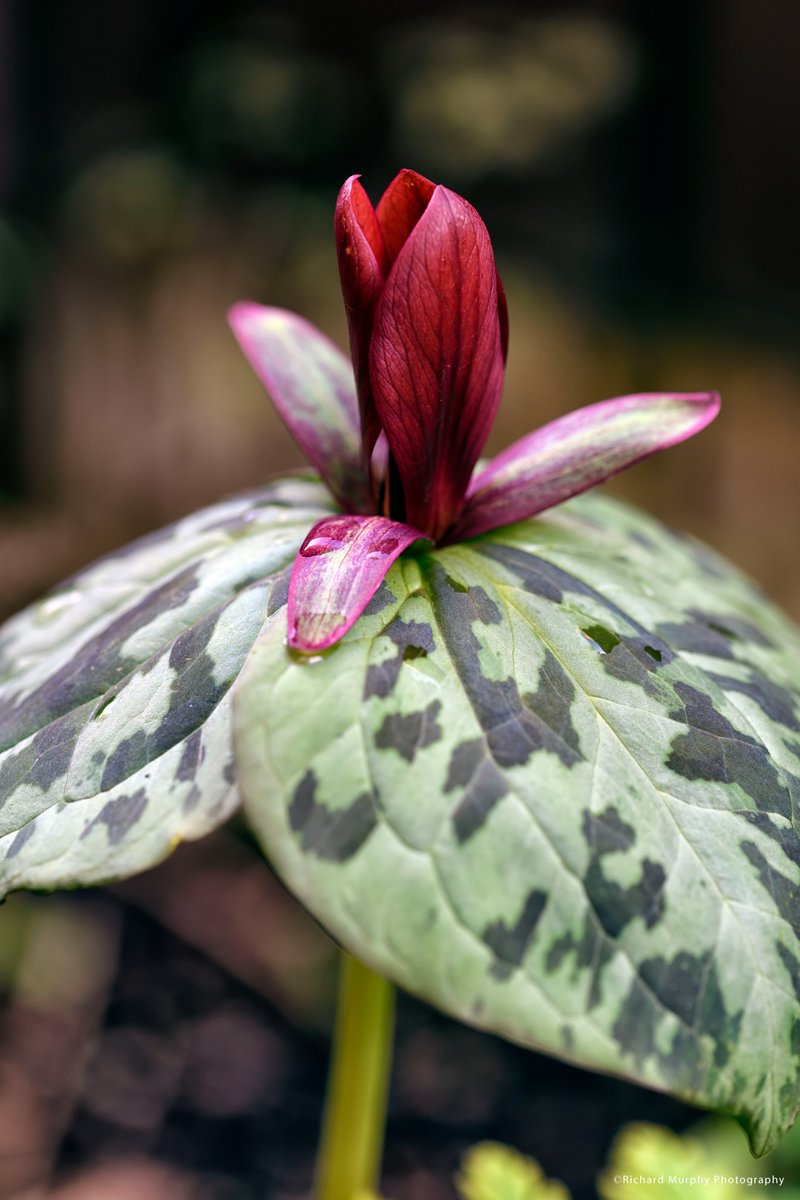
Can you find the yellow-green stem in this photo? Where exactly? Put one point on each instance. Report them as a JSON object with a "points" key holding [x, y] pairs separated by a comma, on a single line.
{"points": [[355, 1107]]}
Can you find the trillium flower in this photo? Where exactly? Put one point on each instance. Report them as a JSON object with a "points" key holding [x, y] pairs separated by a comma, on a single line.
{"points": [[397, 435]]}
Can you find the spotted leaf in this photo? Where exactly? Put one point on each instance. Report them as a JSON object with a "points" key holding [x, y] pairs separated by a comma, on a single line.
{"points": [[115, 691], [549, 782]]}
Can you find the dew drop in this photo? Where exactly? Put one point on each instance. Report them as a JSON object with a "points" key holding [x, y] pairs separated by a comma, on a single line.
{"points": [[319, 545], [336, 535], [384, 548], [300, 657]]}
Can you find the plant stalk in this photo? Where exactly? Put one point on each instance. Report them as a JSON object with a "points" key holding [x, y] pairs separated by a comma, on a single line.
{"points": [[350, 1151]]}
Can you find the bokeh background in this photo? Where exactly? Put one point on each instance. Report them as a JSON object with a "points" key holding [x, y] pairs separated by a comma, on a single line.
{"points": [[637, 166]]}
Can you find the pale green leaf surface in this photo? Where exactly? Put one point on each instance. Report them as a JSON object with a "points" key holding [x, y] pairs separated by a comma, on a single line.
{"points": [[549, 782], [115, 738]]}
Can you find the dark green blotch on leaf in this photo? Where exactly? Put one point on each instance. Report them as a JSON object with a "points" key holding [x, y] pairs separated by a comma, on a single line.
{"points": [[194, 694], [784, 835], [409, 732], [613, 906], [635, 659], [593, 949], [542, 578], [332, 835], [684, 1064], [696, 636], [414, 639], [606, 832], [782, 890], [740, 629], [472, 767], [789, 960], [279, 592], [688, 986], [552, 704], [52, 750], [635, 1033], [635, 1028], [190, 757], [119, 816], [776, 702], [46, 758], [515, 727], [509, 943], [21, 840], [97, 667], [537, 576], [617, 906], [796, 1038], [715, 751], [192, 799], [379, 601], [127, 757]]}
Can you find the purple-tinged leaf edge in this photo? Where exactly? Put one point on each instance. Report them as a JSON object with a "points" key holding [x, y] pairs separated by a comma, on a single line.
{"points": [[576, 452]]}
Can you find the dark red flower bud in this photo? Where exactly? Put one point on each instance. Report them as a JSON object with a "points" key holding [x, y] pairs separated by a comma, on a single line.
{"points": [[428, 327]]}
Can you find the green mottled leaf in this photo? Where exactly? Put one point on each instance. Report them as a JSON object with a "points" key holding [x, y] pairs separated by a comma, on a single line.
{"points": [[549, 782], [491, 1171], [115, 691]]}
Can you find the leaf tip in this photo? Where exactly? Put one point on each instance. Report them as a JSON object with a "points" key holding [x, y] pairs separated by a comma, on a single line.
{"points": [[242, 314], [707, 405], [311, 632]]}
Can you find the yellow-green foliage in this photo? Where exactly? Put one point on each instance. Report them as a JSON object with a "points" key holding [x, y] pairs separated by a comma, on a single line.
{"points": [[649, 1162], [494, 1172]]}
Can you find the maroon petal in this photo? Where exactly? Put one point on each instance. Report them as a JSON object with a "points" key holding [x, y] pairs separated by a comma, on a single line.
{"points": [[311, 385], [337, 572], [400, 207], [502, 313], [362, 267], [436, 359], [577, 451]]}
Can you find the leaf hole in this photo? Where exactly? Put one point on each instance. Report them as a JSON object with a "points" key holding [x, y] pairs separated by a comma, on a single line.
{"points": [[656, 655], [601, 639], [414, 652]]}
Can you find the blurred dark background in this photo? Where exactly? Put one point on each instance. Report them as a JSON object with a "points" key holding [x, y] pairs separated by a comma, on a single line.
{"points": [[637, 166]]}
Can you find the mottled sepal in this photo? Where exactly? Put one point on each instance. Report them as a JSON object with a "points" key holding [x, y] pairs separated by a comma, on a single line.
{"points": [[576, 452], [310, 382], [549, 782], [115, 739], [340, 566]]}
